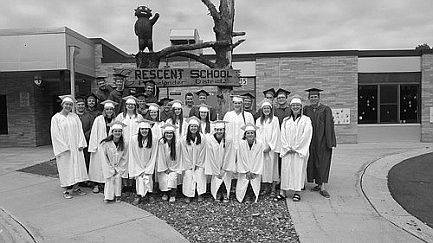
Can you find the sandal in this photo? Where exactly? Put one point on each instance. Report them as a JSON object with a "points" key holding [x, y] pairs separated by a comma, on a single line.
{"points": [[79, 192], [279, 198], [316, 188], [296, 197], [67, 195], [325, 193]]}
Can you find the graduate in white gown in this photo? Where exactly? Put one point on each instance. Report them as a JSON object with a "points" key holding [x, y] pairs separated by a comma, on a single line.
{"points": [[177, 118], [143, 149], [115, 150], [193, 159], [220, 161], [250, 163], [206, 127], [269, 133], [296, 134], [129, 117], [168, 162], [68, 143], [99, 132], [237, 118], [153, 115]]}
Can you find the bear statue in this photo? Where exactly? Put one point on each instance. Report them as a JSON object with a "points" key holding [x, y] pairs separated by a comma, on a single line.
{"points": [[143, 27]]}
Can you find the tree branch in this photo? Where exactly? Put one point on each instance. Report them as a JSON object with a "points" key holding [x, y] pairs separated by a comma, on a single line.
{"points": [[239, 33], [193, 56], [212, 9], [177, 48], [237, 43]]}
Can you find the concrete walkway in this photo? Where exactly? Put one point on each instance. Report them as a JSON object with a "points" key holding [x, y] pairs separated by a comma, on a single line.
{"points": [[348, 215], [32, 209]]}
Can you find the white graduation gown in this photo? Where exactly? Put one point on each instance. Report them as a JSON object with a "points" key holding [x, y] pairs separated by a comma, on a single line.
{"points": [[193, 159], [128, 131], [220, 163], [295, 135], [113, 169], [67, 136], [166, 168], [178, 133], [97, 156], [269, 133], [249, 160], [233, 128], [142, 164], [157, 130]]}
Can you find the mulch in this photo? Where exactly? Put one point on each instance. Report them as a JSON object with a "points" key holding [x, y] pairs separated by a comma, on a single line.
{"points": [[210, 221], [411, 185]]}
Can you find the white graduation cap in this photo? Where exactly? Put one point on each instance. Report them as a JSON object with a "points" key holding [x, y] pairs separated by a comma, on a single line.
{"points": [[218, 124], [175, 104], [153, 107], [250, 127], [144, 123], [193, 121], [296, 99], [117, 125], [67, 98], [169, 128], [109, 103], [130, 99], [265, 102], [204, 108], [237, 98]]}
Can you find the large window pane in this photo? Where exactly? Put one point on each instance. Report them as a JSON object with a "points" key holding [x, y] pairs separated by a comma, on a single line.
{"points": [[3, 115], [388, 114], [367, 104], [388, 94], [409, 103]]}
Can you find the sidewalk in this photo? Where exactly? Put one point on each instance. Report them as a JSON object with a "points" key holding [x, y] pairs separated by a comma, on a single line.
{"points": [[36, 204], [348, 216]]}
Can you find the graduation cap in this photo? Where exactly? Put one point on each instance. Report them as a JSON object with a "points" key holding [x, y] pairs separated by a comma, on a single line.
{"points": [[92, 95], [313, 91], [153, 107], [67, 98], [219, 124], [265, 102], [283, 91], [150, 82], [144, 123], [109, 103], [169, 128], [296, 99], [164, 101], [248, 95], [176, 104], [130, 99], [202, 92], [193, 121], [100, 78], [237, 98], [117, 125], [271, 90], [250, 127], [204, 108], [80, 99]]}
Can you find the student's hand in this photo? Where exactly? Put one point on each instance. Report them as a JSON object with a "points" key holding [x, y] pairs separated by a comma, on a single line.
{"points": [[253, 176], [267, 149], [220, 176], [80, 148]]}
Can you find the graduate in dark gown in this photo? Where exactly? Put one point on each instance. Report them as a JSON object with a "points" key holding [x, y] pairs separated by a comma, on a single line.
{"points": [[166, 111], [92, 106], [269, 94], [248, 103], [103, 91], [86, 122], [202, 97], [119, 93], [282, 109], [319, 162]]}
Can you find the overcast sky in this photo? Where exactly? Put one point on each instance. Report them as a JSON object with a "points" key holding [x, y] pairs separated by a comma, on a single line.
{"points": [[271, 26]]}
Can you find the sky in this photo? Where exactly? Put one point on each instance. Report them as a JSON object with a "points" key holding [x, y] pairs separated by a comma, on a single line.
{"points": [[271, 25]]}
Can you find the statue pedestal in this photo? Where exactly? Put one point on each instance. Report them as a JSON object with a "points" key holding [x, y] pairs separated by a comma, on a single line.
{"points": [[147, 59]]}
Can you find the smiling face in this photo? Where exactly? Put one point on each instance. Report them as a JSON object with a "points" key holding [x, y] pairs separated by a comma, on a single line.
{"points": [[119, 84], [67, 106], [109, 111], [130, 106], [169, 135], [193, 128], [101, 84], [250, 136], [203, 115], [116, 133], [296, 108], [237, 105], [247, 103], [153, 114], [202, 99], [144, 132], [282, 99], [314, 99], [219, 132], [81, 107], [91, 102], [266, 110], [177, 111], [189, 99], [269, 96]]}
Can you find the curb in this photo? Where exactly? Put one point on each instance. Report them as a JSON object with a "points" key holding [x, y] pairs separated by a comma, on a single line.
{"points": [[374, 185], [11, 230]]}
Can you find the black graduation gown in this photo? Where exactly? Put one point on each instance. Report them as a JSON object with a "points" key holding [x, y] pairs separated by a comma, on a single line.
{"points": [[282, 113], [319, 162]]}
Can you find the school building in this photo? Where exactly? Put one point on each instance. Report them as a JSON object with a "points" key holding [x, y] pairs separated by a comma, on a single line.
{"points": [[376, 95]]}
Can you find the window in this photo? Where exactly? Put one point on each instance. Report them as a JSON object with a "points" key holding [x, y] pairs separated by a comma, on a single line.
{"points": [[3, 115], [388, 103]]}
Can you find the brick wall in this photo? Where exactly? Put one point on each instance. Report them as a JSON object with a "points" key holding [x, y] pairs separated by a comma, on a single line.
{"points": [[337, 75], [426, 97]]}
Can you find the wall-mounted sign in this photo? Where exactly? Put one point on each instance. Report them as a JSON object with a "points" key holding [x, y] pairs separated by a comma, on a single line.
{"points": [[177, 77], [341, 116]]}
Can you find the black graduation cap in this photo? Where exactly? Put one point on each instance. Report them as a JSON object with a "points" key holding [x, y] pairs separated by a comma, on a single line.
{"points": [[249, 95], [280, 90], [271, 90], [313, 91], [92, 95], [101, 77], [80, 98], [162, 101], [202, 92]]}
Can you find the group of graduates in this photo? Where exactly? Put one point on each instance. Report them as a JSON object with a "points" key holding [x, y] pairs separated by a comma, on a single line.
{"points": [[117, 141]]}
